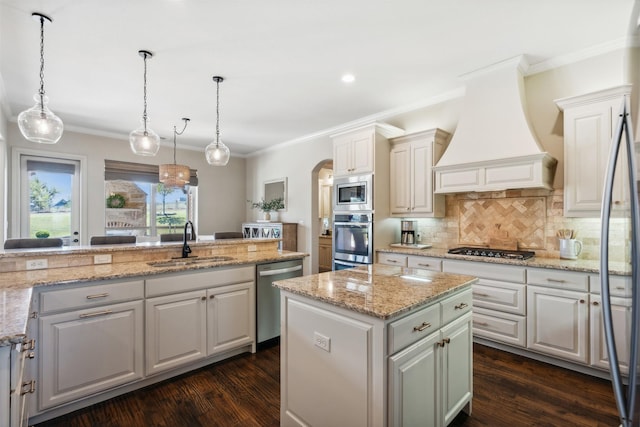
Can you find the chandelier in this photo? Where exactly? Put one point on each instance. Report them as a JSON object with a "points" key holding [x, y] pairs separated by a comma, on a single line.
{"points": [[173, 174]]}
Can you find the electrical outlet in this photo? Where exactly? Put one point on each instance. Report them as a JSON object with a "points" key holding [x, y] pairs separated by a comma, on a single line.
{"points": [[102, 259], [322, 341], [252, 248], [37, 264]]}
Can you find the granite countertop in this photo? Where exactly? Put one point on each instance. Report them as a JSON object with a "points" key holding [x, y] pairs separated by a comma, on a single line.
{"points": [[377, 290], [16, 287], [580, 265]]}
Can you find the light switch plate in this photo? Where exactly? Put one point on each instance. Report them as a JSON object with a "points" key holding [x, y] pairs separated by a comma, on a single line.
{"points": [[322, 341], [37, 264]]}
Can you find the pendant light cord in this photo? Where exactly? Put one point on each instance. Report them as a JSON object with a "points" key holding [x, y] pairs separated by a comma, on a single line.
{"points": [[41, 92], [175, 132], [217, 112], [144, 113]]}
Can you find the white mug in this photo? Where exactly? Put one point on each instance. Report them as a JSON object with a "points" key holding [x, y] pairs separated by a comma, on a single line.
{"points": [[570, 248]]}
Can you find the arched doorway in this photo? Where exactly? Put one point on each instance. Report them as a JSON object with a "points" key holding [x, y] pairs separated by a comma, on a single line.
{"points": [[321, 211]]}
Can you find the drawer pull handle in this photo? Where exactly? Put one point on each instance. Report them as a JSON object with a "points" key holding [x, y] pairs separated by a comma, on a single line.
{"points": [[422, 327], [391, 260], [461, 306], [480, 323], [104, 295], [97, 313], [620, 288], [555, 280], [595, 303], [32, 387], [481, 295], [31, 355], [29, 345], [424, 265]]}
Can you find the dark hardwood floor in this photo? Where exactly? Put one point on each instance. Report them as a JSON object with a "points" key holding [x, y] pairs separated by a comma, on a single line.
{"points": [[509, 390]]}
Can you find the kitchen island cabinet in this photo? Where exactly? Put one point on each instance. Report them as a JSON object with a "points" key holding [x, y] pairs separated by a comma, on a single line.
{"points": [[361, 341]]}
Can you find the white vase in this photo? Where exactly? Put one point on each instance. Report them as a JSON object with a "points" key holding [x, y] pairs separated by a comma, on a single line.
{"points": [[266, 216]]}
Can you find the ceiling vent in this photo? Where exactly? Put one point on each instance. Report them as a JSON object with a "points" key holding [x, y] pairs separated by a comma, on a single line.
{"points": [[493, 147]]}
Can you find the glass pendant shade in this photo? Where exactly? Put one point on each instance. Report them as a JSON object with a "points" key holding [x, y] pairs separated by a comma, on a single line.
{"points": [[144, 141], [39, 124], [172, 175], [217, 153]]}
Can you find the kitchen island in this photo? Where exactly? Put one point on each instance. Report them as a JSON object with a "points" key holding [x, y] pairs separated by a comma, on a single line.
{"points": [[375, 346]]}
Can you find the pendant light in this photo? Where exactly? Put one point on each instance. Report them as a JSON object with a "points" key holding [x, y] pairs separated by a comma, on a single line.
{"points": [[216, 152], [38, 123], [174, 175], [144, 141]]}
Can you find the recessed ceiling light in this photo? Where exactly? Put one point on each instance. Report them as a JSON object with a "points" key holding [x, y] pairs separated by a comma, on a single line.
{"points": [[348, 78]]}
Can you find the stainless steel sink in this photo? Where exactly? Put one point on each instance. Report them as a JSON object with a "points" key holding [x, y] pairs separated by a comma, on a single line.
{"points": [[175, 262]]}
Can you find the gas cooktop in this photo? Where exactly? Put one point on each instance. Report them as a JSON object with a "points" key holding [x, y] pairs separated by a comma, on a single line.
{"points": [[493, 253]]}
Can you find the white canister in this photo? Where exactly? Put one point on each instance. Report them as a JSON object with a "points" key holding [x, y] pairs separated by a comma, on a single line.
{"points": [[570, 248]]}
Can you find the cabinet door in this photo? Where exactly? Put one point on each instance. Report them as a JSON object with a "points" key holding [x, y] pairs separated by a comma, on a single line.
{"points": [[363, 157], [457, 366], [558, 322], [87, 351], [342, 152], [325, 255], [588, 130], [414, 384], [326, 192], [621, 315], [176, 330], [421, 177], [230, 317], [400, 179]]}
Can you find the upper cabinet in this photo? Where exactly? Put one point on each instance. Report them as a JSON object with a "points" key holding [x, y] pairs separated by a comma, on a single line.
{"points": [[354, 151], [589, 124], [411, 176]]}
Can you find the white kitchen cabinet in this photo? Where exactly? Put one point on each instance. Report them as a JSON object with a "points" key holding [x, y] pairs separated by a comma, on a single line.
{"points": [[558, 323], [424, 262], [230, 317], [621, 316], [431, 380], [399, 260], [411, 176], [354, 151], [14, 385], [214, 313], [175, 330], [589, 122], [86, 351]]}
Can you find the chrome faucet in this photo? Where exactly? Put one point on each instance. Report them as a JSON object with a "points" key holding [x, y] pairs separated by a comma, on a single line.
{"points": [[186, 250]]}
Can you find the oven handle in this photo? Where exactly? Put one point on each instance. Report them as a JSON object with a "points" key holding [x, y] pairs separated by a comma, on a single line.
{"points": [[356, 224], [279, 271]]}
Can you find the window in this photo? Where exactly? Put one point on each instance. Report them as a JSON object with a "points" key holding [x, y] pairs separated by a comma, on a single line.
{"points": [[49, 197], [137, 204]]}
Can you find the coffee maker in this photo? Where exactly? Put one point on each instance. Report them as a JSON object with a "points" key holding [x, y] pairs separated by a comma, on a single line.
{"points": [[408, 232]]}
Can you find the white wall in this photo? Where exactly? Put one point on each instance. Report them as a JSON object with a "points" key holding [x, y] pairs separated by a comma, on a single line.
{"points": [[221, 190]]}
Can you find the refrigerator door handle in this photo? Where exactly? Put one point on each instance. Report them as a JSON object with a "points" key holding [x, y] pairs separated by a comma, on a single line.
{"points": [[627, 406]]}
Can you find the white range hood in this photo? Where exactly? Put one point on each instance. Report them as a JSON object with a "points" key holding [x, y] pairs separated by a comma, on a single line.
{"points": [[493, 147]]}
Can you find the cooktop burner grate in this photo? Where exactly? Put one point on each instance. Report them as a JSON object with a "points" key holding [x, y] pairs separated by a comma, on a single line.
{"points": [[493, 253]]}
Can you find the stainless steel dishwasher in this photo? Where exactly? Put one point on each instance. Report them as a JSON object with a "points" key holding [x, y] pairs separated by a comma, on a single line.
{"points": [[268, 297]]}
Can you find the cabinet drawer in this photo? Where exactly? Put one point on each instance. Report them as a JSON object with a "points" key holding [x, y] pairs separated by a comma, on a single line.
{"points": [[456, 306], [486, 270], [558, 279], [619, 286], [497, 326], [424, 262], [192, 281], [91, 295], [392, 259], [501, 296], [410, 329]]}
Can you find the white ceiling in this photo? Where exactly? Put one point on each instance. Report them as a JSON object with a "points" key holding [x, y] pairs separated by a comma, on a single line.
{"points": [[282, 60]]}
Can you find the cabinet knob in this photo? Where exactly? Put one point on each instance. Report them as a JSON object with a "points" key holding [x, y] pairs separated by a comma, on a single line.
{"points": [[582, 301], [595, 303], [203, 298], [211, 296]]}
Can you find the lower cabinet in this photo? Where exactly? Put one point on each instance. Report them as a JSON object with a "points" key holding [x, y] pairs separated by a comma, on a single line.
{"points": [[15, 385], [230, 317], [621, 316], [84, 352], [558, 322], [325, 255], [431, 381]]}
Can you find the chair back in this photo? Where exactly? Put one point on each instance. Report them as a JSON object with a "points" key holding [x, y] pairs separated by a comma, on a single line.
{"points": [[49, 242], [111, 240], [227, 235]]}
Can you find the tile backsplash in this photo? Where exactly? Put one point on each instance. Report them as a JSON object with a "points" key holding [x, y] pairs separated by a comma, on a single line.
{"points": [[532, 217]]}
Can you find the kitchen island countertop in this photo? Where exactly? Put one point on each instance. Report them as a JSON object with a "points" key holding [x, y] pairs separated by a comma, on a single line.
{"points": [[377, 290]]}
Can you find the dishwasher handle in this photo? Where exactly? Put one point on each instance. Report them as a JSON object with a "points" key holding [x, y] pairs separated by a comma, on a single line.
{"points": [[265, 273]]}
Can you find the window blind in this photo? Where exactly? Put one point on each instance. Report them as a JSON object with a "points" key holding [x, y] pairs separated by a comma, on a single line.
{"points": [[141, 172]]}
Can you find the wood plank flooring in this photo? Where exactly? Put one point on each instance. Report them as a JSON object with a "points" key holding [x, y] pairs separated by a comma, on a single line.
{"points": [[509, 390]]}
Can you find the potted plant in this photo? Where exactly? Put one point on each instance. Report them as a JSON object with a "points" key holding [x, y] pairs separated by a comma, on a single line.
{"points": [[268, 206], [42, 234]]}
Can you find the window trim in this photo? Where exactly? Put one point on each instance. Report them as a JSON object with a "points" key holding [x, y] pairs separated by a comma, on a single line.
{"points": [[16, 180]]}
